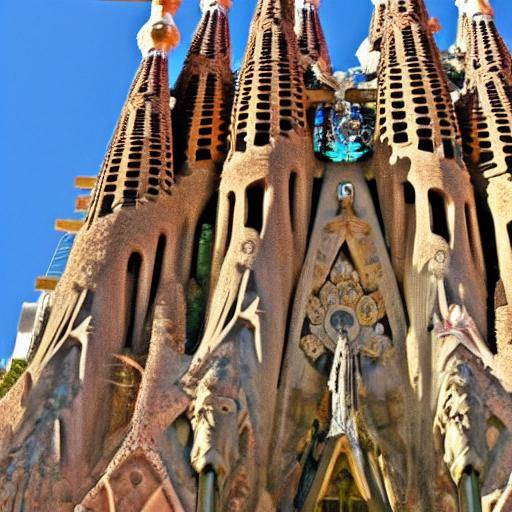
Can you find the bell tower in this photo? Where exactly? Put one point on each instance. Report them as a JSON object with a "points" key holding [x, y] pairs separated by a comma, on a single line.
{"points": [[485, 114], [262, 225]]}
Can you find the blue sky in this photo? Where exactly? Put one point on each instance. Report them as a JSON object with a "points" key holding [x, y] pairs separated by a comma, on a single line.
{"points": [[67, 66]]}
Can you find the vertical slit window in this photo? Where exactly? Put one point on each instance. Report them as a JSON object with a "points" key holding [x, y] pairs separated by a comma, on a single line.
{"points": [[199, 275], [409, 193], [131, 292], [438, 219], [292, 193], [155, 282], [231, 219], [254, 199], [488, 234], [372, 188], [315, 201]]}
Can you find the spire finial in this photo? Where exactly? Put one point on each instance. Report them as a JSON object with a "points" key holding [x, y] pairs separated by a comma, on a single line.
{"points": [[473, 7], [206, 4], [160, 32], [300, 3]]}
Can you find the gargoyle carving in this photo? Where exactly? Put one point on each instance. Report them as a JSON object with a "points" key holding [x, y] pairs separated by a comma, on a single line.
{"points": [[223, 439], [460, 420], [471, 410]]}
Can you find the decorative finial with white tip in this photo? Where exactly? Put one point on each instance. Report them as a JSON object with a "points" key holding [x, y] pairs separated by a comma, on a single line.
{"points": [[474, 7], [206, 4], [159, 33], [299, 4]]}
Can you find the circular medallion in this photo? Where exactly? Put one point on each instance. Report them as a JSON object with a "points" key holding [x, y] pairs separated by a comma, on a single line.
{"points": [[367, 311], [440, 256], [248, 247], [350, 292], [315, 311], [379, 300], [329, 294], [312, 346], [338, 319]]}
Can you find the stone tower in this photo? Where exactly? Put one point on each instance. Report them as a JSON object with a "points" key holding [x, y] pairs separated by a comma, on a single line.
{"points": [[485, 113], [262, 225], [203, 91], [246, 323], [431, 224], [310, 36]]}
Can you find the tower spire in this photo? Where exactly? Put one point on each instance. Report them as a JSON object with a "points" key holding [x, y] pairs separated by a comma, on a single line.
{"points": [[415, 114], [485, 113], [310, 36], [409, 44], [377, 23], [425, 193], [368, 52], [203, 90], [315, 61], [138, 165], [262, 225], [478, 38], [270, 100]]}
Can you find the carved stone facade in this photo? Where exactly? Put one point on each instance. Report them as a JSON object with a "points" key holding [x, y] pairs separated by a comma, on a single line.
{"points": [[244, 327]]}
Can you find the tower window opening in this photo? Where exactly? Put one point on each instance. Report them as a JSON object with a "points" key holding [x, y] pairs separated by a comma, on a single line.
{"points": [[155, 282], [131, 292], [292, 193], [241, 143], [231, 219], [261, 139], [438, 219], [254, 198], [409, 193]]}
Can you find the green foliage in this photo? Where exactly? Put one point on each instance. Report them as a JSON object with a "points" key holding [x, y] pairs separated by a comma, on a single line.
{"points": [[197, 291], [10, 378], [204, 255]]}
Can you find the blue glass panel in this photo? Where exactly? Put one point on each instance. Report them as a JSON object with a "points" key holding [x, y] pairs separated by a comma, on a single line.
{"points": [[342, 137]]}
